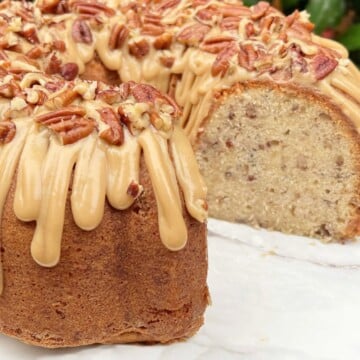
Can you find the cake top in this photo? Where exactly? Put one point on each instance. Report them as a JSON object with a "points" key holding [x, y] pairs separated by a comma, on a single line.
{"points": [[51, 129]]}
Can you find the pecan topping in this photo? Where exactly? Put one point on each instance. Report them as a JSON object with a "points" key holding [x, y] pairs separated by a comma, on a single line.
{"points": [[139, 49], [323, 65], [92, 8], [222, 61], [119, 34], [69, 123], [163, 41], [59, 45], [81, 32], [152, 25], [230, 23], [134, 189], [192, 35], [234, 10], [34, 53], [7, 131], [168, 4], [53, 65], [114, 135], [10, 90], [30, 35], [259, 10], [69, 71], [246, 57], [167, 61], [133, 19], [48, 6], [216, 44]]}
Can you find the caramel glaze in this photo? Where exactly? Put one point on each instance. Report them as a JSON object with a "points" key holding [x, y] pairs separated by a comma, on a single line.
{"points": [[286, 50], [48, 162]]}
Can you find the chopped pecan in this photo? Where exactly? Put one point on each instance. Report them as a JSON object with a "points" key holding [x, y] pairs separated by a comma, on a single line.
{"points": [[119, 34], [53, 86], [216, 44], [25, 14], [53, 65], [163, 41], [30, 35], [222, 61], [7, 131], [152, 29], [259, 10], [110, 96], [63, 99], [206, 15], [322, 66], [114, 135], [133, 19], [249, 29], [47, 6], [10, 90], [69, 71], [156, 120], [81, 32], [92, 8], [134, 189], [139, 48], [59, 45], [167, 61], [192, 35], [35, 53]]}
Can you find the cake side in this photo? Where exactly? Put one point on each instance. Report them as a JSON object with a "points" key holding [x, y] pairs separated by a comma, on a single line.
{"points": [[287, 159], [114, 284]]}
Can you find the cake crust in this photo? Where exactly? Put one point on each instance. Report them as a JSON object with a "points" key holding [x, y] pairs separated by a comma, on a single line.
{"points": [[115, 284]]}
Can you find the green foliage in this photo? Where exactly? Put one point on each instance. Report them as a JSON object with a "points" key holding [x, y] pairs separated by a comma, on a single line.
{"points": [[351, 39], [325, 13]]}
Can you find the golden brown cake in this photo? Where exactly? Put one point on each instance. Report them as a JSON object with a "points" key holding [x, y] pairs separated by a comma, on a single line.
{"points": [[258, 91], [102, 234]]}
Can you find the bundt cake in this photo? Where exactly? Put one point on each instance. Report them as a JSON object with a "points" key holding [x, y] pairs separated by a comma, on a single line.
{"points": [[65, 147], [271, 109], [275, 106]]}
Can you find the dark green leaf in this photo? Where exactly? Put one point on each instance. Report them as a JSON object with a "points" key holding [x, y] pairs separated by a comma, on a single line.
{"points": [[325, 13], [250, 2], [351, 39], [289, 4]]}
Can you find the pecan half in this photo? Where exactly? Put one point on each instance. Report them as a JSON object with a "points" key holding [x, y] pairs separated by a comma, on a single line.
{"points": [[322, 66], [92, 8], [222, 61], [168, 4], [81, 32], [139, 48], [69, 71], [259, 10], [152, 29], [69, 123], [133, 19], [230, 23], [119, 34], [234, 10], [7, 131], [247, 56], [216, 44], [114, 135], [192, 35], [163, 41]]}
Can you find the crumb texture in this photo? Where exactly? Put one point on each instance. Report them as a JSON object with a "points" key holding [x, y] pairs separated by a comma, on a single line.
{"points": [[283, 159]]}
